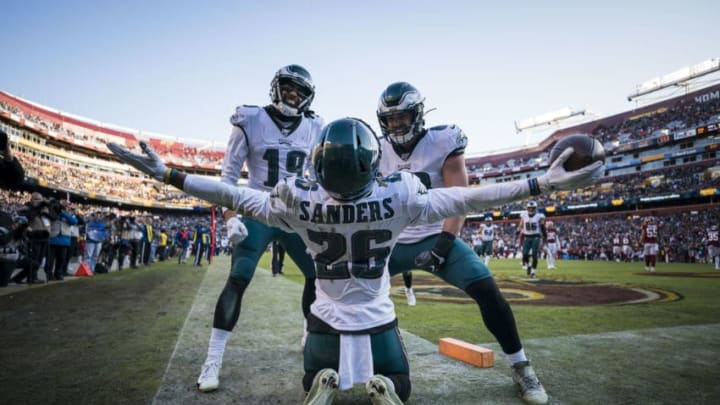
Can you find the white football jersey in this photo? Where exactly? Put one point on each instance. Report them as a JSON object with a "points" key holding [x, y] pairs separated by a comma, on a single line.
{"points": [[270, 155], [426, 162], [487, 232], [531, 224], [351, 242]]}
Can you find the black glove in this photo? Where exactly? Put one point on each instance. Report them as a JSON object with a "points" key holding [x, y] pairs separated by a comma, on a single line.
{"points": [[433, 260]]}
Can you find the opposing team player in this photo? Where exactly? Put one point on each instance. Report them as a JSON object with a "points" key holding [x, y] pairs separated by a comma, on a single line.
{"points": [[350, 220], [616, 247], [274, 142], [627, 250], [552, 244], [531, 228], [649, 239], [712, 241], [436, 156]]}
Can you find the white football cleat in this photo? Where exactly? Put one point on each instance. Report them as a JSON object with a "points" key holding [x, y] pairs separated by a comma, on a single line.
{"points": [[410, 295], [324, 388], [382, 391], [531, 391], [209, 379]]}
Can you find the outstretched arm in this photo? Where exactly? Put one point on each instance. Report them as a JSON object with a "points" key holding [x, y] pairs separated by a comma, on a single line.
{"points": [[250, 202], [454, 201]]}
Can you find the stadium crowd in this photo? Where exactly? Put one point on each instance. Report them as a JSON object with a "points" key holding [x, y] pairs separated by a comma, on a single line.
{"points": [[101, 182], [175, 152], [683, 114], [682, 238]]}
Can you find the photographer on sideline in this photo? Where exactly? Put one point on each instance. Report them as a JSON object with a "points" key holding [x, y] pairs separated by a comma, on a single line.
{"points": [[9, 254], [13, 173], [37, 234], [59, 242]]}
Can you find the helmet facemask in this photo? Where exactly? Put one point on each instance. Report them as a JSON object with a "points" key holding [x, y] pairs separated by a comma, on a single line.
{"points": [[288, 80], [531, 208]]}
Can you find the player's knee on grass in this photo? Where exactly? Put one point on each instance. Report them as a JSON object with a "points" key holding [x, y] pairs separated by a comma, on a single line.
{"points": [[227, 309]]}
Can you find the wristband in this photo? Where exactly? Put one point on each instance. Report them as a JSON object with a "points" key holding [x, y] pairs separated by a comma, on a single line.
{"points": [[534, 186], [176, 178], [166, 176], [444, 243]]}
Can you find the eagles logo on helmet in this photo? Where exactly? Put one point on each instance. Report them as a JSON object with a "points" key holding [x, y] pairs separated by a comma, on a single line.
{"points": [[299, 79], [346, 159]]}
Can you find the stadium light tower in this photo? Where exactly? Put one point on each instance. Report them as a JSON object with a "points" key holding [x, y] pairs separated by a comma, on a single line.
{"points": [[679, 77], [553, 118]]}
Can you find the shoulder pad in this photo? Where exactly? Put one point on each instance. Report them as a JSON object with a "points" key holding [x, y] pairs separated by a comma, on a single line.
{"points": [[455, 137], [242, 113]]}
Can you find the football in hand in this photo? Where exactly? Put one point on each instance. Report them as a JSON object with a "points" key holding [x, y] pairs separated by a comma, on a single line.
{"points": [[587, 150]]}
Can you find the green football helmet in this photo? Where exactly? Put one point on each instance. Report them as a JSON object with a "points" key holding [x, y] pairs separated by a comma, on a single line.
{"points": [[346, 159], [399, 98], [298, 77]]}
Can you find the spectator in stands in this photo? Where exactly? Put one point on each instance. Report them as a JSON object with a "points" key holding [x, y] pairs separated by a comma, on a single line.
{"points": [[10, 167]]}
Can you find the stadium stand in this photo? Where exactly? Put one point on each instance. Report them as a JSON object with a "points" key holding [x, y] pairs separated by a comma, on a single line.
{"points": [[661, 159]]}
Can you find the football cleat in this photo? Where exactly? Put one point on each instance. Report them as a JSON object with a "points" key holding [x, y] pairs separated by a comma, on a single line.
{"points": [[410, 295], [324, 388], [531, 391], [209, 379], [382, 391]]}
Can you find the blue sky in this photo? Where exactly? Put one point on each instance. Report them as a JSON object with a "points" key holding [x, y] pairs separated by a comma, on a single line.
{"points": [[180, 67]]}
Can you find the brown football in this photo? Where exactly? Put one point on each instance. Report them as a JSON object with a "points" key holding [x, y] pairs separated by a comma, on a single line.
{"points": [[586, 151]]}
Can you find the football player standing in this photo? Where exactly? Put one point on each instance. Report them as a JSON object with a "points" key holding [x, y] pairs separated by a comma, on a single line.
{"points": [[436, 156], [274, 142]]}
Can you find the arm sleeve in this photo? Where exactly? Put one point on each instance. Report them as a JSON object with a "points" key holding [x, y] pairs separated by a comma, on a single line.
{"points": [[235, 156], [249, 202], [439, 203]]}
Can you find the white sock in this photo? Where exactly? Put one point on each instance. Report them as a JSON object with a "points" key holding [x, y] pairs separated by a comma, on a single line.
{"points": [[516, 357], [216, 348]]}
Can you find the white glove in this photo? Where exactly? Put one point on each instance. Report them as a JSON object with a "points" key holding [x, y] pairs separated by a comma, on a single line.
{"points": [[236, 230], [151, 164], [557, 178]]}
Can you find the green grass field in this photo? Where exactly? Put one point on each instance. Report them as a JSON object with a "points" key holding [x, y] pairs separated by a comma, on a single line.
{"points": [[139, 336]]}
